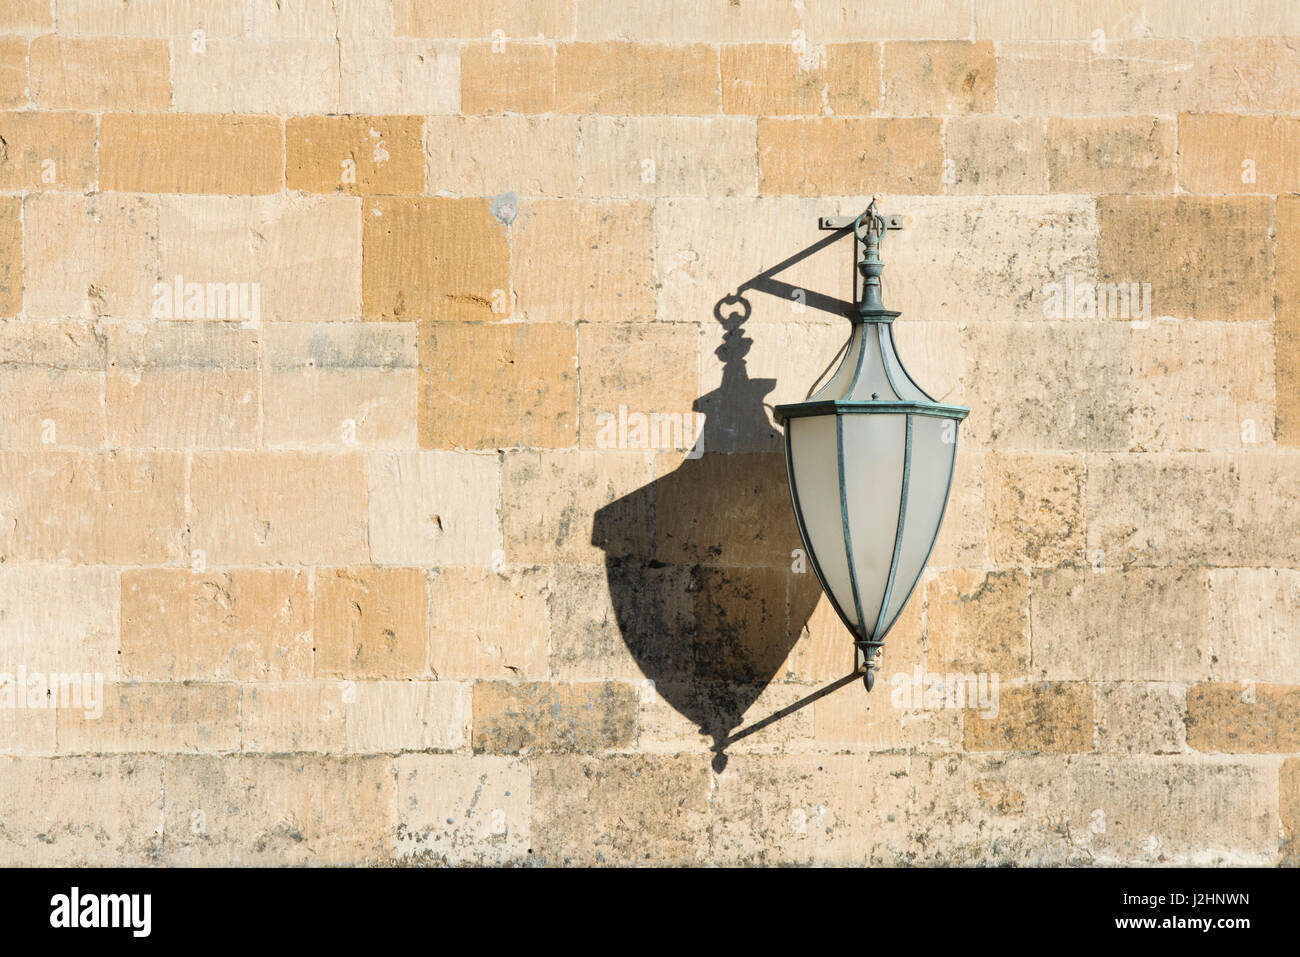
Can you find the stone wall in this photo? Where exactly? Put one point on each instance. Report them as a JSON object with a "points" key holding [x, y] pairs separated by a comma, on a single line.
{"points": [[332, 337]]}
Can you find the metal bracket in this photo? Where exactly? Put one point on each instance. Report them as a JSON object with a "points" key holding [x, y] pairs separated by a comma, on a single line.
{"points": [[896, 221]]}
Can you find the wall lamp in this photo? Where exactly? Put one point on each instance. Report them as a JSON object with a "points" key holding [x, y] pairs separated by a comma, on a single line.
{"points": [[870, 458]]}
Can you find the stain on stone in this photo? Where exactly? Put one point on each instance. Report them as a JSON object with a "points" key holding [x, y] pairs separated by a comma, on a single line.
{"points": [[505, 207]]}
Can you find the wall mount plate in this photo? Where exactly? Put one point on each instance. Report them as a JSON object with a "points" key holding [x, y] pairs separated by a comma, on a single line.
{"points": [[896, 221]]}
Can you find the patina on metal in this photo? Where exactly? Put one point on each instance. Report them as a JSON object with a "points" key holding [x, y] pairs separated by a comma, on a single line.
{"points": [[871, 381]]}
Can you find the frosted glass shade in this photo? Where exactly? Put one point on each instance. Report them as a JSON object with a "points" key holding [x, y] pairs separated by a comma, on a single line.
{"points": [[870, 459]]}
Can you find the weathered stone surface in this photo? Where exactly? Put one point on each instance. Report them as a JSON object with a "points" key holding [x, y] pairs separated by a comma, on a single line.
{"points": [[302, 254], [11, 248], [891, 810], [169, 152], [1164, 240], [1046, 716], [48, 151], [394, 716], [166, 344], [138, 346], [551, 500], [1137, 717], [82, 811], [996, 154], [879, 809], [60, 619], [360, 155], [1191, 509], [457, 809], [323, 346], [89, 256], [978, 622], [774, 79], [182, 385], [340, 385], [279, 717], [614, 809], [176, 18], [25, 732], [712, 705], [497, 155], [114, 508], [117, 74], [432, 258], [631, 79], [1129, 76], [684, 20], [1202, 386], [622, 622], [433, 508], [1268, 481], [1056, 21], [13, 72], [203, 409], [1163, 810], [851, 721], [745, 373], [1110, 155], [256, 507], [976, 258], [156, 717], [258, 76], [397, 76], [725, 509], [667, 156], [1044, 413], [963, 537], [26, 16], [356, 717], [304, 809], [811, 157], [488, 624], [319, 18], [822, 645], [68, 345], [934, 19], [515, 18], [1288, 786], [509, 78], [1247, 74], [1254, 616], [643, 369], [697, 275], [590, 716], [498, 386], [60, 407], [1035, 504], [583, 261], [1161, 18], [939, 78], [236, 624], [1084, 626], [818, 809], [1243, 718], [739, 612], [1225, 153], [1286, 331], [370, 623]]}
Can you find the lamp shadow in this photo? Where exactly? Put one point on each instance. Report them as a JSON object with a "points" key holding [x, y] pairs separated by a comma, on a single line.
{"points": [[699, 561]]}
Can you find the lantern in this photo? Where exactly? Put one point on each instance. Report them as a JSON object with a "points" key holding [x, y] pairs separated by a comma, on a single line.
{"points": [[870, 458]]}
